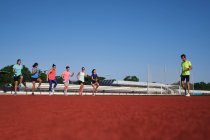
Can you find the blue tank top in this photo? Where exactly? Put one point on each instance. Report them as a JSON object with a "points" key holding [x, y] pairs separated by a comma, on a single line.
{"points": [[36, 74]]}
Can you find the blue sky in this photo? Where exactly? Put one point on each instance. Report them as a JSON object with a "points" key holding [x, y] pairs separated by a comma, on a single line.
{"points": [[117, 37]]}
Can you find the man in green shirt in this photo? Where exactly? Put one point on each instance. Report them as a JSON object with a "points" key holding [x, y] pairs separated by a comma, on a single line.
{"points": [[186, 68]]}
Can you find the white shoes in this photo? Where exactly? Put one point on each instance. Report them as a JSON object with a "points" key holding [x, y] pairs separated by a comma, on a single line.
{"points": [[188, 95], [52, 92], [65, 93]]}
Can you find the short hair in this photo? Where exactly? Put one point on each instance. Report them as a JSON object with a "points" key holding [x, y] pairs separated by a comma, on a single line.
{"points": [[35, 64], [18, 60], [67, 67], [183, 55], [53, 65]]}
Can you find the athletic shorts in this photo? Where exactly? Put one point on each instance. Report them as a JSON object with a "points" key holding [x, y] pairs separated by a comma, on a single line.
{"points": [[93, 82], [16, 78], [66, 82], [81, 82], [185, 77], [34, 79]]}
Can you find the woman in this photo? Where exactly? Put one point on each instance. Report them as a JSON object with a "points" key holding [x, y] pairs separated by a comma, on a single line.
{"points": [[51, 78], [66, 78], [17, 69], [35, 77], [81, 78], [95, 83]]}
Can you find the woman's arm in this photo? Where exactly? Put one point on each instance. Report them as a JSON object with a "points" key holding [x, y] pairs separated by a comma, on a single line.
{"points": [[93, 78], [33, 71]]}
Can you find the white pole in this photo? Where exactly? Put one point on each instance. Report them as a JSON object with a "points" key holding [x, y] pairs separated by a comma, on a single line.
{"points": [[165, 74], [180, 81], [165, 78], [148, 71], [193, 83]]}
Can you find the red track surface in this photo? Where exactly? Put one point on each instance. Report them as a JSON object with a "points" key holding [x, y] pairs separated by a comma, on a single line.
{"points": [[104, 118]]}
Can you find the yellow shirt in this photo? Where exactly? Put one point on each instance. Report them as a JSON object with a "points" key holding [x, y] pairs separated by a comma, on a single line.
{"points": [[185, 68]]}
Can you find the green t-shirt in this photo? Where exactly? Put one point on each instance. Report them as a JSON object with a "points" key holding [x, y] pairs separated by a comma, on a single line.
{"points": [[185, 66], [18, 69]]}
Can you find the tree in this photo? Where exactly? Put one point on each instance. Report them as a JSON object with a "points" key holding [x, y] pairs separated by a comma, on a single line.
{"points": [[59, 79], [7, 78], [131, 78], [43, 76], [202, 86]]}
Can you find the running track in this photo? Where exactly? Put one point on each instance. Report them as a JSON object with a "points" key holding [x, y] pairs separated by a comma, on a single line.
{"points": [[104, 118]]}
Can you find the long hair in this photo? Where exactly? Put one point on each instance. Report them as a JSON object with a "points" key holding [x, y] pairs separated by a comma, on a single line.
{"points": [[93, 71]]}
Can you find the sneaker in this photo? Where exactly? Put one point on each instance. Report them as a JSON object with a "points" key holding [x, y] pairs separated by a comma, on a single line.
{"points": [[188, 95], [65, 92], [32, 94], [50, 93], [15, 93]]}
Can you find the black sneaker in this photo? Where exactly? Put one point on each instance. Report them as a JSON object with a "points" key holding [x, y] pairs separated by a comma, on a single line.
{"points": [[32, 94]]}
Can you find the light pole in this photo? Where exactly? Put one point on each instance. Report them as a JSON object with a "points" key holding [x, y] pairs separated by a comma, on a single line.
{"points": [[148, 77]]}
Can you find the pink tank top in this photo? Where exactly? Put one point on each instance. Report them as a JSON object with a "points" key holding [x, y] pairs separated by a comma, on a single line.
{"points": [[52, 75], [66, 75]]}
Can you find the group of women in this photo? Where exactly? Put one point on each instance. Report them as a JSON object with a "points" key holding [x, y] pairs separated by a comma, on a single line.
{"points": [[51, 78]]}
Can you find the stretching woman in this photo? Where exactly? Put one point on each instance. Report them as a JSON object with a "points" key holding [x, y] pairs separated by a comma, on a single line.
{"points": [[35, 78], [95, 83], [81, 77], [51, 78], [66, 78], [17, 69]]}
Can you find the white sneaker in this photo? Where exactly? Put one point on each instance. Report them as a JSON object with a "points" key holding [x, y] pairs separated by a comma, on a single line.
{"points": [[65, 93], [50, 93], [188, 95]]}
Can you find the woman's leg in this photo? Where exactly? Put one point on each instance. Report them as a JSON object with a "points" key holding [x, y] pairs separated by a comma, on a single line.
{"points": [[93, 92], [50, 83], [21, 80], [81, 89], [55, 83], [40, 82], [66, 86], [16, 85], [33, 86]]}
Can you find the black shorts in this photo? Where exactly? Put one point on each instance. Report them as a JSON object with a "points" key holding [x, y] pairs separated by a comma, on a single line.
{"points": [[93, 82], [16, 78], [80, 82], [185, 77], [34, 79]]}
